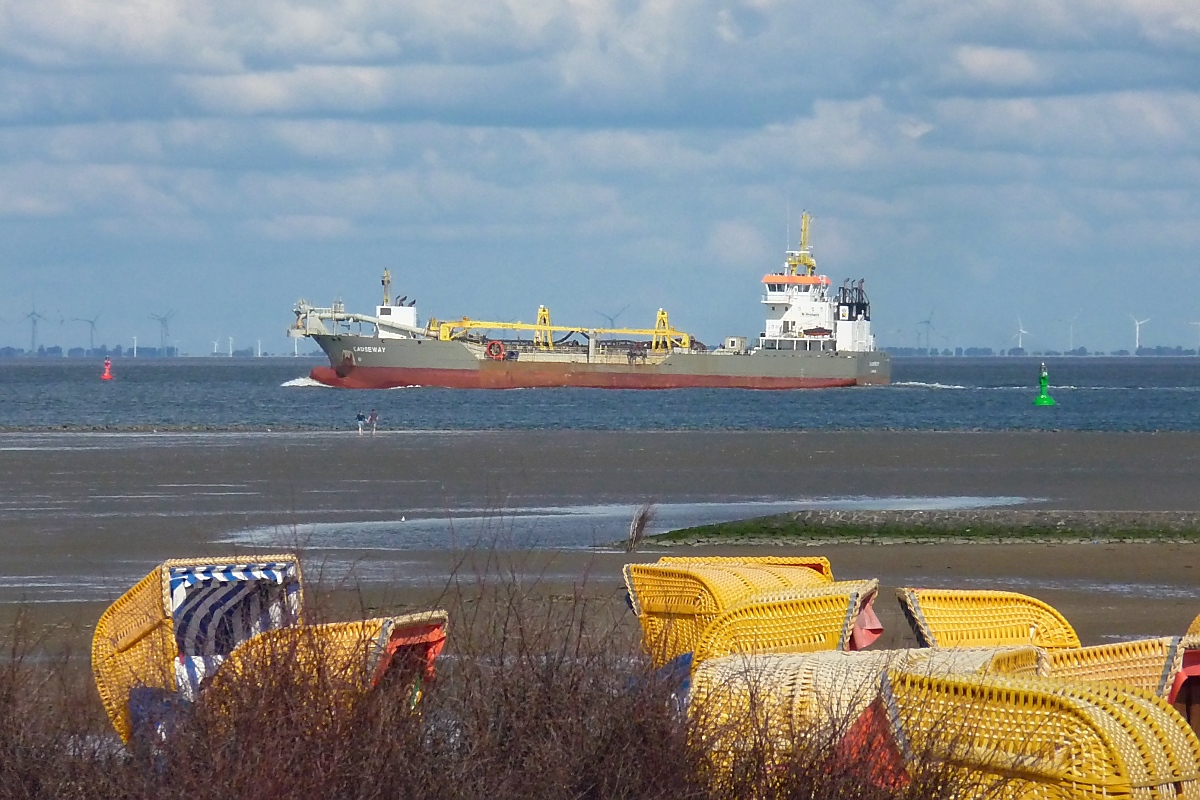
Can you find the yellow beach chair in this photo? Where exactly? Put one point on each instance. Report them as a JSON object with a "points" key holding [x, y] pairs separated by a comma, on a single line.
{"points": [[896, 710], [676, 601], [175, 626], [1044, 738], [967, 618], [191, 623]]}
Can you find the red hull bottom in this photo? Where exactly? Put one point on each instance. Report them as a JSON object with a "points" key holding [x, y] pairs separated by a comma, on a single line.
{"points": [[390, 378]]}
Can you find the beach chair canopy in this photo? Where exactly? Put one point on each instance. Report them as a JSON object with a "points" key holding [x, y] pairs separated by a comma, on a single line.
{"points": [[836, 616], [969, 618], [1153, 665], [782, 565], [677, 600]]}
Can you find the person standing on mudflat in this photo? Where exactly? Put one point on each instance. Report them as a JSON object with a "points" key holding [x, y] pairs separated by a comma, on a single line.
{"points": [[361, 419], [373, 421]]}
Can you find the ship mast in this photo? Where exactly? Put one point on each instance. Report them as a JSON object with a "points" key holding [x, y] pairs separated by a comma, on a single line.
{"points": [[387, 287], [802, 257]]}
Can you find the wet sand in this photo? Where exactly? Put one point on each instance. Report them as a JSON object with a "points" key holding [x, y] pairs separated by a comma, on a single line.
{"points": [[82, 516]]}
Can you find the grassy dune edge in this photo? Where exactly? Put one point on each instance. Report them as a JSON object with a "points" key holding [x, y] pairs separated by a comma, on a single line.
{"points": [[989, 526]]}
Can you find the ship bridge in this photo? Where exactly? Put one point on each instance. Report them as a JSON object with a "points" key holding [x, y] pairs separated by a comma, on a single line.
{"points": [[800, 314]]}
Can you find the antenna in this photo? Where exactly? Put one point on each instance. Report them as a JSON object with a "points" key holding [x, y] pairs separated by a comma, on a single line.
{"points": [[91, 329], [1137, 332], [34, 317], [164, 331]]}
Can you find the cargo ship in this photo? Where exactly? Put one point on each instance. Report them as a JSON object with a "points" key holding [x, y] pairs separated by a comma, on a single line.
{"points": [[814, 337]]}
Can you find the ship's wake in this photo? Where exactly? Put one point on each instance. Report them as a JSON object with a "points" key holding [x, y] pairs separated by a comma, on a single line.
{"points": [[923, 385], [305, 382]]}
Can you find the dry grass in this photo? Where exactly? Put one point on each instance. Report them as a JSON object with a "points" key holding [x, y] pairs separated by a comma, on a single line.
{"points": [[536, 698]]}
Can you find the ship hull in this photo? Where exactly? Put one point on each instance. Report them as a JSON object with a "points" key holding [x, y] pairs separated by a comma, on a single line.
{"points": [[364, 362]]}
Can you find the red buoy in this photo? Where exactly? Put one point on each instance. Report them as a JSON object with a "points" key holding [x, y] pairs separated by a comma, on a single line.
{"points": [[107, 376]]}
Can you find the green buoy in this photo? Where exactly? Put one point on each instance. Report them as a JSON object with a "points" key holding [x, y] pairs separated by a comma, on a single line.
{"points": [[1044, 399]]}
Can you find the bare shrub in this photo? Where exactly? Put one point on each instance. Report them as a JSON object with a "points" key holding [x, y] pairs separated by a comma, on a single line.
{"points": [[637, 527], [537, 696]]}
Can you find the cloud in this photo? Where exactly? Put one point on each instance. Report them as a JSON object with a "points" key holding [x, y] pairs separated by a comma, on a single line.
{"points": [[943, 146], [735, 243], [997, 66], [294, 227]]}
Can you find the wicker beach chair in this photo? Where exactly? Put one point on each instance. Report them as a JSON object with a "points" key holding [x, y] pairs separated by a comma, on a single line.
{"points": [[966, 618], [341, 660], [1034, 737], [675, 602], [1194, 628], [175, 626], [1042, 738], [793, 693], [194, 624]]}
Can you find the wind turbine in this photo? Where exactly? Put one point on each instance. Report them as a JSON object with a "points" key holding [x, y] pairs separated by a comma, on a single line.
{"points": [[1137, 332], [612, 318], [91, 330], [164, 331], [928, 323], [215, 348], [34, 317], [1070, 331], [1021, 334], [231, 347]]}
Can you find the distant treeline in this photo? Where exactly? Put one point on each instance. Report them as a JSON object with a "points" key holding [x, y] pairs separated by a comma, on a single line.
{"points": [[128, 352], [915, 352], [82, 352]]}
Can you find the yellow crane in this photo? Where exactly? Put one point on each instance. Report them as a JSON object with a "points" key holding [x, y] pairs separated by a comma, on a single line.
{"points": [[663, 338]]}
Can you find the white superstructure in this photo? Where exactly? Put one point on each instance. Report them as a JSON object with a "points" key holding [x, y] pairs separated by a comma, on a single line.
{"points": [[802, 316]]}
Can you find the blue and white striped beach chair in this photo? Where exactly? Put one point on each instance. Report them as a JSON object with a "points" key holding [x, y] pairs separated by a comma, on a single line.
{"points": [[172, 630]]}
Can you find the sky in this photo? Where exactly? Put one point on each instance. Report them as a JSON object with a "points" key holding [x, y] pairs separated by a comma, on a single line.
{"points": [[977, 162]]}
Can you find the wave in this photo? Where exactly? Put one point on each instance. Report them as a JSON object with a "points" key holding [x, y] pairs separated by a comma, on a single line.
{"points": [[923, 385], [306, 382]]}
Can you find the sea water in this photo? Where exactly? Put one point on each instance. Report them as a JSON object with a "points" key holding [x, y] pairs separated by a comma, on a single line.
{"points": [[1093, 394]]}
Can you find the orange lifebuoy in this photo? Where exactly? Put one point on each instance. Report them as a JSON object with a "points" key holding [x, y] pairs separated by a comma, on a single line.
{"points": [[495, 350]]}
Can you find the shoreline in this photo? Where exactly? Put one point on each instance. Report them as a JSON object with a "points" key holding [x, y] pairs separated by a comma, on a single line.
{"points": [[83, 517]]}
